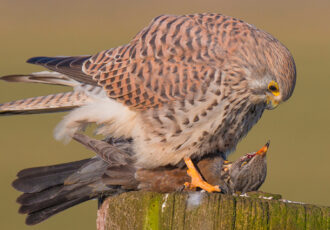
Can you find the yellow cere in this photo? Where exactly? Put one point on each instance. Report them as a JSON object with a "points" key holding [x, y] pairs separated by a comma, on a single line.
{"points": [[273, 88]]}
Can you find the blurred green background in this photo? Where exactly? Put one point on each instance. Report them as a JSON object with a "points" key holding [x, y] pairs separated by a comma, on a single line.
{"points": [[299, 156]]}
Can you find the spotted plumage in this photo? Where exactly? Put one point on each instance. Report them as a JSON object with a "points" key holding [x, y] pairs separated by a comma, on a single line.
{"points": [[184, 86]]}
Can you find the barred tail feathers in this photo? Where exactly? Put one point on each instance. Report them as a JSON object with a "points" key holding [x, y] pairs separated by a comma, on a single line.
{"points": [[45, 104]]}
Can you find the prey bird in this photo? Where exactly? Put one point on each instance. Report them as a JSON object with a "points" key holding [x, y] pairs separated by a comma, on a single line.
{"points": [[183, 87], [48, 190]]}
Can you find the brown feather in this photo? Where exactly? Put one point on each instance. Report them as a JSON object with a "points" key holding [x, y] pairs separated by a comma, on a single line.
{"points": [[45, 104]]}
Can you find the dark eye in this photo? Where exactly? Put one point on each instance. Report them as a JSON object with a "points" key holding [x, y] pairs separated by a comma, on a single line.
{"points": [[272, 88]]}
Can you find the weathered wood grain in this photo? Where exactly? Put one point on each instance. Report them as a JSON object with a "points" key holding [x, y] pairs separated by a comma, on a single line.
{"points": [[147, 210]]}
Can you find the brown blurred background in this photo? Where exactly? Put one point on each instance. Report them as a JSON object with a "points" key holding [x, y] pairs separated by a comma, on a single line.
{"points": [[299, 157]]}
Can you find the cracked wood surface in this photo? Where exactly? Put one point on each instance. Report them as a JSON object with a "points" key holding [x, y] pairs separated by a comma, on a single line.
{"points": [[147, 210]]}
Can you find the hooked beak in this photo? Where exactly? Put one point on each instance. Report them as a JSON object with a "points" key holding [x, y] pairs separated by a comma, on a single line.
{"points": [[263, 150], [272, 102]]}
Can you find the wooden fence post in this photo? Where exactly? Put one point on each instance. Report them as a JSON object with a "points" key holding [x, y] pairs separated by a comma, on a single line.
{"points": [[148, 210]]}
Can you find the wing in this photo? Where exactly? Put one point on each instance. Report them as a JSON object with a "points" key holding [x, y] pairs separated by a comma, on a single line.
{"points": [[70, 66], [116, 154], [174, 58]]}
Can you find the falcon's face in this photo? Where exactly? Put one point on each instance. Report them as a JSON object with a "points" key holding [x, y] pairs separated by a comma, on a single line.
{"points": [[272, 76], [266, 91], [273, 95], [280, 88], [272, 89]]}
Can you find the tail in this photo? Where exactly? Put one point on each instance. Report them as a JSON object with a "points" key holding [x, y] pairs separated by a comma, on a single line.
{"points": [[68, 73], [51, 103], [45, 104], [52, 189], [44, 77]]}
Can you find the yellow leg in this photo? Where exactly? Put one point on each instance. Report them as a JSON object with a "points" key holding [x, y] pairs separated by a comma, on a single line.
{"points": [[197, 180]]}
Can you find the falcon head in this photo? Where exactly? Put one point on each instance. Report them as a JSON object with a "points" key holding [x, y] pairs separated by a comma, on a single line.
{"points": [[282, 82], [274, 75]]}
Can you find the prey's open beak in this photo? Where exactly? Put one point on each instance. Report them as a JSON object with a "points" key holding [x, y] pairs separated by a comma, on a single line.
{"points": [[263, 150]]}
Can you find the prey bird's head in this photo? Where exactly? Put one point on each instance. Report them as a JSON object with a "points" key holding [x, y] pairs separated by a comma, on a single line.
{"points": [[252, 159], [273, 78], [249, 172]]}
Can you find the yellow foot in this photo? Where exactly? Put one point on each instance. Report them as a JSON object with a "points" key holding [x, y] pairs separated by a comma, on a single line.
{"points": [[197, 180]]}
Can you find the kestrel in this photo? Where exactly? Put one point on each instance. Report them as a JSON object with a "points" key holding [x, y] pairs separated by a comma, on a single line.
{"points": [[51, 189], [184, 87]]}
